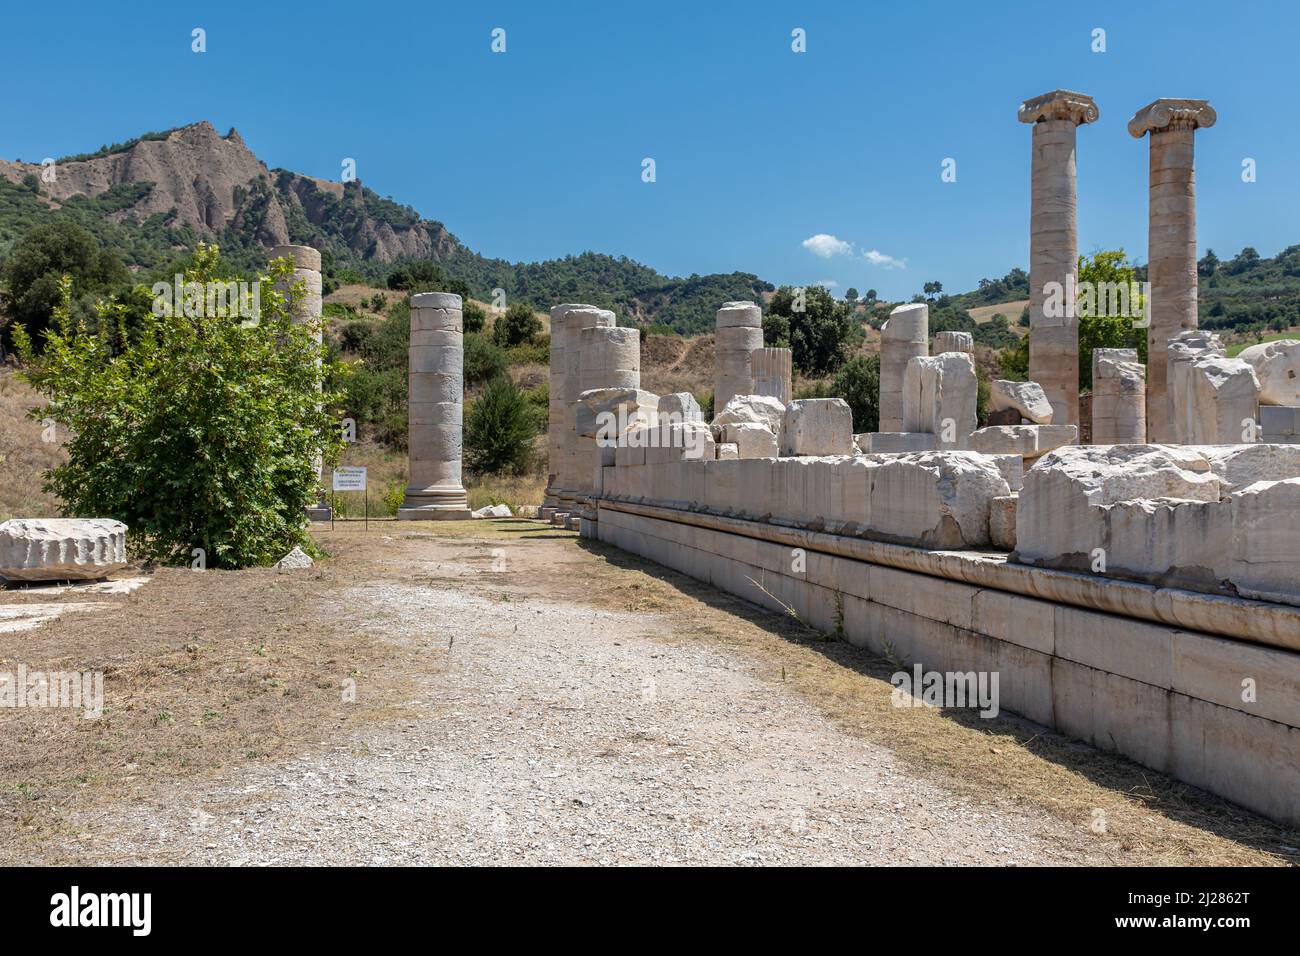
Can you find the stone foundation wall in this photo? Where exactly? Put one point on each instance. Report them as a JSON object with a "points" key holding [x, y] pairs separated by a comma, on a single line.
{"points": [[1165, 694]]}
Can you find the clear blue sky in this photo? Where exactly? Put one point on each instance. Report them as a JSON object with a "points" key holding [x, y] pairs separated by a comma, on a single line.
{"points": [[537, 152]]}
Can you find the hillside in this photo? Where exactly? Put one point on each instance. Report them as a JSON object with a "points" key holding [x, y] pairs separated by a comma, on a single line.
{"points": [[153, 198]]}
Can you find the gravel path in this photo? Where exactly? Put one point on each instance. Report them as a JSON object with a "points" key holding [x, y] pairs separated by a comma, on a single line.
{"points": [[544, 732]]}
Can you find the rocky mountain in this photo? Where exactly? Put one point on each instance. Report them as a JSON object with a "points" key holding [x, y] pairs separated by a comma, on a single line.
{"points": [[154, 197]]}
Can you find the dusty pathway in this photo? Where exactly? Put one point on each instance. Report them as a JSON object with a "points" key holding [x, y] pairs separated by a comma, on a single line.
{"points": [[542, 701]]}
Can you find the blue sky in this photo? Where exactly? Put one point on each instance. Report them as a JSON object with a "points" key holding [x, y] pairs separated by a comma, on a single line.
{"points": [[537, 152]]}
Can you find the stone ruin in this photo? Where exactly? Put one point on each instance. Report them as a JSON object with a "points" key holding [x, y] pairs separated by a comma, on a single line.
{"points": [[1123, 589]]}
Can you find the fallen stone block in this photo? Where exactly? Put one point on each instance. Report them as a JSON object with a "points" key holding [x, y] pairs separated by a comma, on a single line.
{"points": [[935, 499], [494, 511], [1279, 423], [61, 549], [1061, 515], [1027, 398], [1002, 521], [1277, 367], [1225, 397], [607, 414], [295, 560], [1030, 442], [953, 342], [680, 407], [754, 410], [817, 426], [1237, 466], [727, 451], [896, 442], [751, 439]]}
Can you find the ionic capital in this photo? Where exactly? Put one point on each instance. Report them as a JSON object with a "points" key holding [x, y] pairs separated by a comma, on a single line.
{"points": [[1059, 105], [1166, 113]]}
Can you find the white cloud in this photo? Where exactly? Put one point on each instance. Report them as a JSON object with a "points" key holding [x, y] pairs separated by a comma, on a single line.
{"points": [[827, 284], [826, 245], [878, 258]]}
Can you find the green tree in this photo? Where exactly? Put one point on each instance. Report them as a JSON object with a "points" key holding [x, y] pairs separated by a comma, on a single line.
{"points": [[197, 431], [1113, 330], [819, 333], [38, 264], [499, 429], [483, 360], [516, 326], [858, 383], [474, 317]]}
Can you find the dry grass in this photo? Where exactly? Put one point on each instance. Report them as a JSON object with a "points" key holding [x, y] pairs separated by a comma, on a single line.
{"points": [[24, 457], [1011, 310], [513, 490]]}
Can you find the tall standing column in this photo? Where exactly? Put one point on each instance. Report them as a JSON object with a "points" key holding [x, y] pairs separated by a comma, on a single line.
{"points": [[306, 269], [738, 331], [555, 446], [575, 319], [1054, 247], [610, 358], [904, 336], [1171, 241], [435, 409]]}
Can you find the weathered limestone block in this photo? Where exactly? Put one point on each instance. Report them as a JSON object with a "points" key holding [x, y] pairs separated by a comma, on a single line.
{"points": [[1002, 521], [953, 342], [751, 439], [935, 499], [1265, 529], [1028, 441], [1277, 366], [611, 413], [1225, 396], [1238, 466], [1027, 398], [1279, 423], [940, 396], [1118, 397], [1061, 515], [681, 441], [904, 336], [728, 451], [680, 407], [1181, 352], [773, 370], [755, 409], [817, 426], [61, 549], [575, 320], [896, 442]]}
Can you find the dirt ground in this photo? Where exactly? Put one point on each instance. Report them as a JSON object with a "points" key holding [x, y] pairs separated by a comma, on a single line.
{"points": [[502, 692]]}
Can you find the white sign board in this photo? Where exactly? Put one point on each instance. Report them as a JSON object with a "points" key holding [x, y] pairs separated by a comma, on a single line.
{"points": [[349, 479]]}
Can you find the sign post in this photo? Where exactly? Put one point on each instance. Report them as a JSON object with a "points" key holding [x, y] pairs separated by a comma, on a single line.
{"points": [[352, 478]]}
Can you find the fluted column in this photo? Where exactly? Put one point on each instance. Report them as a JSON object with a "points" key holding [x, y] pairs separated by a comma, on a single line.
{"points": [[435, 409], [1171, 241], [738, 331], [773, 371], [308, 309], [904, 336], [1054, 247]]}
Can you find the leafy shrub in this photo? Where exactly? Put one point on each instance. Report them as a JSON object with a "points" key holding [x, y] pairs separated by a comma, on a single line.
{"points": [[474, 316], [198, 432], [858, 383], [516, 326], [483, 360], [499, 429]]}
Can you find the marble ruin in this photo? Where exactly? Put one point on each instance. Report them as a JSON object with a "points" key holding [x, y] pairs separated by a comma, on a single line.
{"points": [[61, 549], [1120, 587], [435, 410]]}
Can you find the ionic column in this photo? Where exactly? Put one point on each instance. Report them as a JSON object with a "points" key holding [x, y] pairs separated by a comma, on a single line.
{"points": [[773, 371], [1171, 241], [738, 331], [904, 336], [1054, 247], [435, 409], [575, 319], [306, 269]]}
